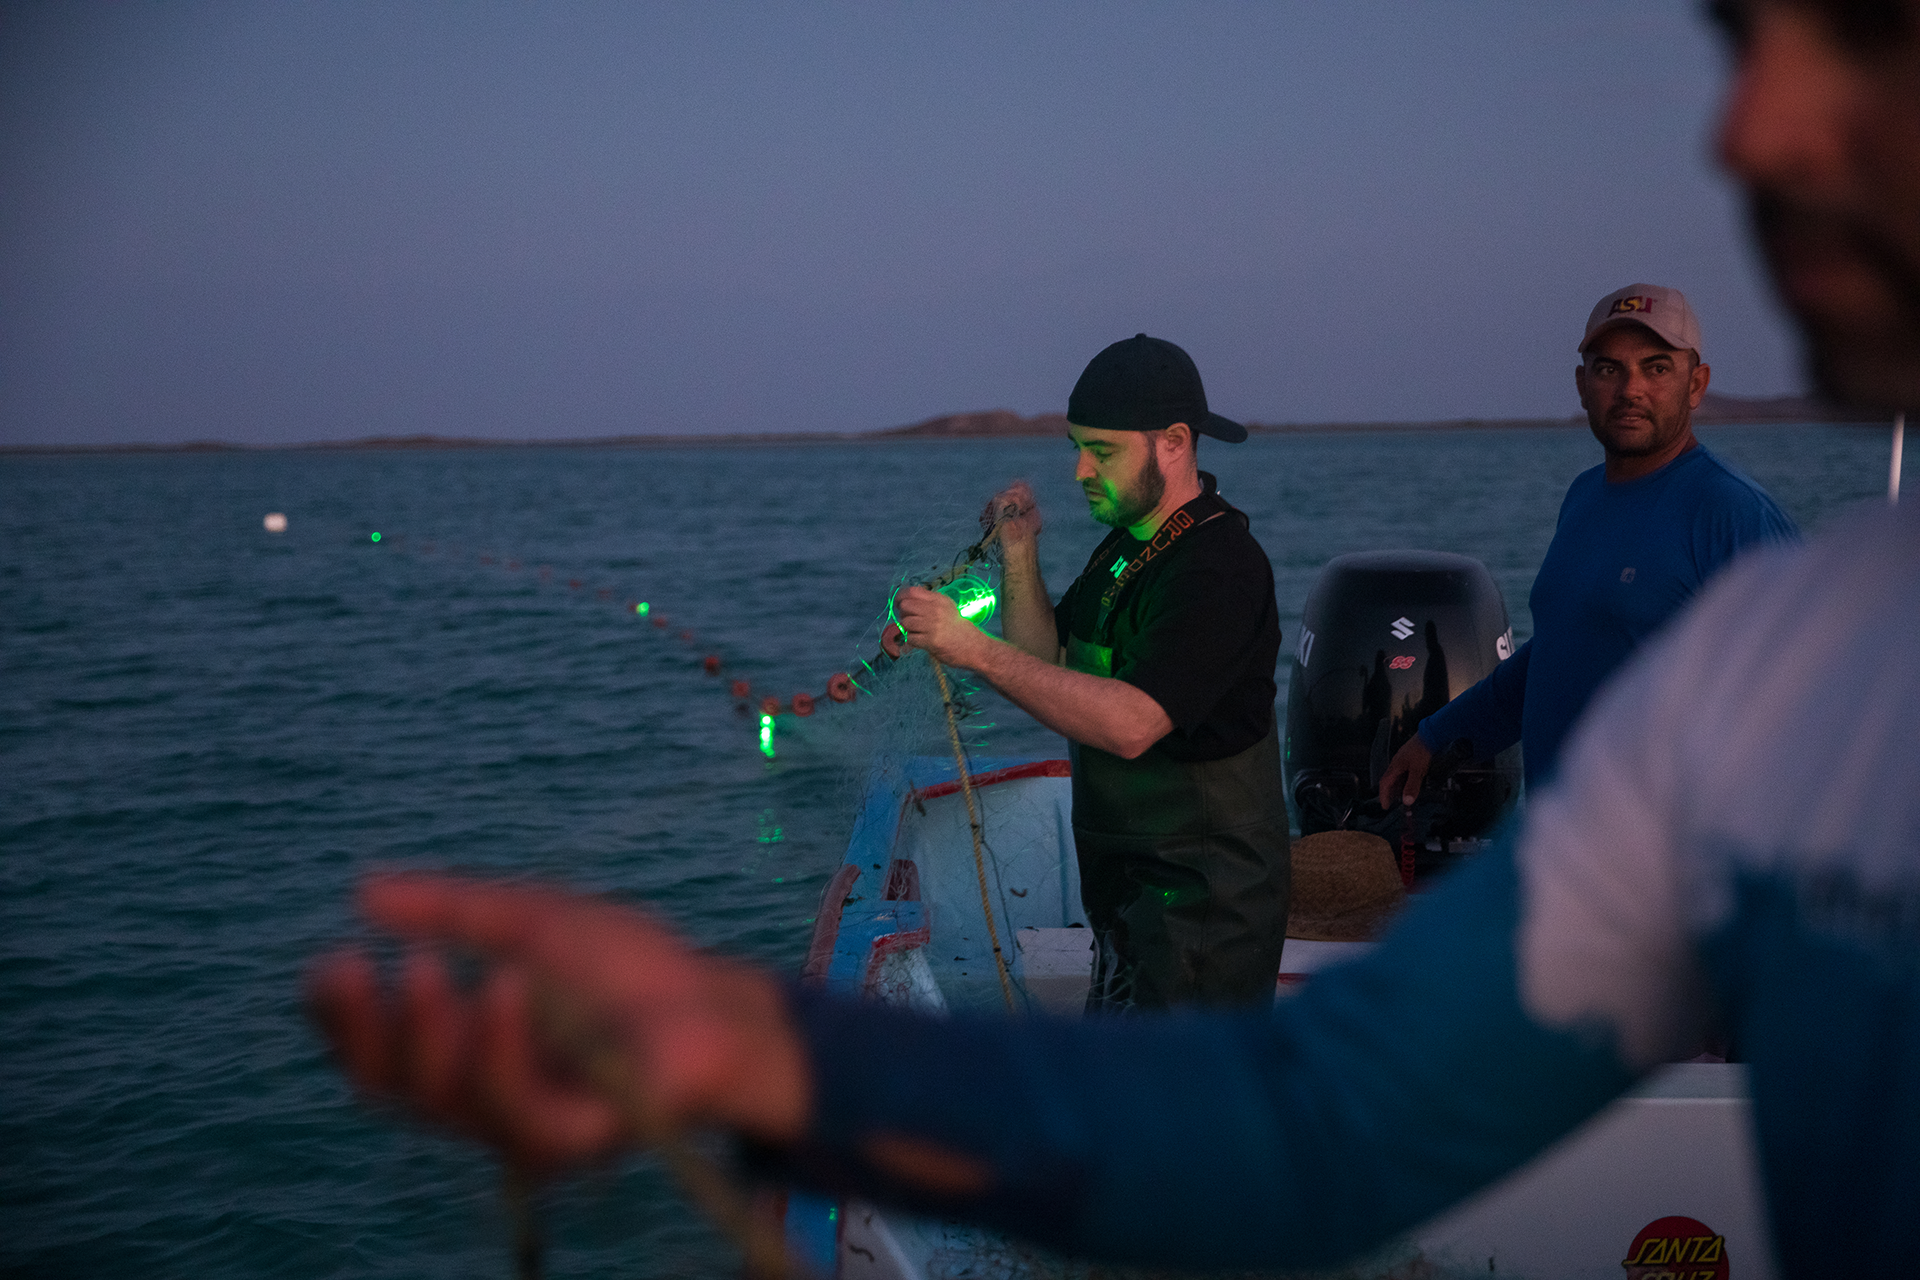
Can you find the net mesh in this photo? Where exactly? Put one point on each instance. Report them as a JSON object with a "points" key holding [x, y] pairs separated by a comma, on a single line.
{"points": [[899, 714]]}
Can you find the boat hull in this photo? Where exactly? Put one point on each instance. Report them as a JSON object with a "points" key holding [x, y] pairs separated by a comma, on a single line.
{"points": [[901, 922]]}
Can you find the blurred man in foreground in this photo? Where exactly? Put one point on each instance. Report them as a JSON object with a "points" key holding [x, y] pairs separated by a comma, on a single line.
{"points": [[1638, 537], [1735, 841]]}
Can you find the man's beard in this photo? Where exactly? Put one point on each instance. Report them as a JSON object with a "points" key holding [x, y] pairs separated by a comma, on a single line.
{"points": [[1656, 440], [1867, 362], [1137, 501], [1666, 424]]}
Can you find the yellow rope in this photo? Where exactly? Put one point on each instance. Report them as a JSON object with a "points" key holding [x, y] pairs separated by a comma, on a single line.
{"points": [[973, 820]]}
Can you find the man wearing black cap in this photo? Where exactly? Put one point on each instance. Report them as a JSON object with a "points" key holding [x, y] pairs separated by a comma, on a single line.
{"points": [[1157, 666]]}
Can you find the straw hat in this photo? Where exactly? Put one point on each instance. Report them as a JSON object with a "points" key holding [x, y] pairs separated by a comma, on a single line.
{"points": [[1346, 886]]}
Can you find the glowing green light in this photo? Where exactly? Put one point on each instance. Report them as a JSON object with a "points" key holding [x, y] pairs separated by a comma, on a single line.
{"points": [[766, 736], [643, 608], [771, 832], [972, 594], [376, 537]]}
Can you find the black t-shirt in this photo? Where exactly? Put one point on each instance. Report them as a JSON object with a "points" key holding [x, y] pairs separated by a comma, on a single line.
{"points": [[1195, 628]]}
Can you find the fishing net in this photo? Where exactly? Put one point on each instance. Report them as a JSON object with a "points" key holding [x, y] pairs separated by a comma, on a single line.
{"points": [[899, 714], [992, 857]]}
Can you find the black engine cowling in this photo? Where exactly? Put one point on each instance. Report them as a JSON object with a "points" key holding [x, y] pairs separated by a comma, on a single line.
{"points": [[1388, 638]]}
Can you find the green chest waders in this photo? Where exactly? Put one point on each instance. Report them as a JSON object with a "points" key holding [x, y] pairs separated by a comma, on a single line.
{"points": [[1184, 869]]}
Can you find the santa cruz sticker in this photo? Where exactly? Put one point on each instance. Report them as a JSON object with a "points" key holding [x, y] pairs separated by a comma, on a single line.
{"points": [[1676, 1249]]}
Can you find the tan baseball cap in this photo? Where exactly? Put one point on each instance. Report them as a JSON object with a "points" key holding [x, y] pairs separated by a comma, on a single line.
{"points": [[1662, 310]]}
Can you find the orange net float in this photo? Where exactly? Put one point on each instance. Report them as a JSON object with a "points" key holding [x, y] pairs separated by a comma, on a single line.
{"points": [[840, 687], [803, 704], [769, 706], [711, 664], [741, 689], [686, 637], [660, 623]]}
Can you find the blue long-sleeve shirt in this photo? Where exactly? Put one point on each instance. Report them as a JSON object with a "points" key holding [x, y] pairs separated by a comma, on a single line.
{"points": [[1735, 843], [1624, 559]]}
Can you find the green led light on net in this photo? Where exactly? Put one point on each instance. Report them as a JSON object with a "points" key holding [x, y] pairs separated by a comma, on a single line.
{"points": [[766, 736], [973, 596], [643, 608], [376, 536]]}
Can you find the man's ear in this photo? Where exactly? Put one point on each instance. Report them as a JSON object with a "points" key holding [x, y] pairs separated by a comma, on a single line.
{"points": [[1178, 435], [1697, 382], [1580, 383]]}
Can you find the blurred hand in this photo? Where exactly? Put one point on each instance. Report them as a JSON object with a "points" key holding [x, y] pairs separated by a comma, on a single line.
{"points": [[1407, 770], [592, 1028], [1016, 511]]}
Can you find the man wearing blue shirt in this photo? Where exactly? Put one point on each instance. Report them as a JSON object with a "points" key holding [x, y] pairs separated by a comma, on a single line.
{"points": [[1638, 536]]}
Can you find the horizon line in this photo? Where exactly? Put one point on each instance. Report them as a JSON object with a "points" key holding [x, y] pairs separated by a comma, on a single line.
{"points": [[1785, 410]]}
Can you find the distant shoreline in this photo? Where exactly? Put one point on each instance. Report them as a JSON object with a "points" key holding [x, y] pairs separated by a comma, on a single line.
{"points": [[994, 424]]}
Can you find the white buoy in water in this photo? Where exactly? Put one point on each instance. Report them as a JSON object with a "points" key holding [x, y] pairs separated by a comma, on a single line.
{"points": [[275, 522]]}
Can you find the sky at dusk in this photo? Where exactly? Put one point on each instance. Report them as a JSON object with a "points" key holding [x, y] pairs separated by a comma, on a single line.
{"points": [[272, 223]]}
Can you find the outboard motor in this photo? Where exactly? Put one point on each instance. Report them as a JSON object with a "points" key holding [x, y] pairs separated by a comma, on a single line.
{"points": [[1388, 638]]}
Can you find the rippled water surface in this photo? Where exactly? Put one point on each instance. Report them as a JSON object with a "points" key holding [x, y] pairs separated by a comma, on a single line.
{"points": [[207, 731]]}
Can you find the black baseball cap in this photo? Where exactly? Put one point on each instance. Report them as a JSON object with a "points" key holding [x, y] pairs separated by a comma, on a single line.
{"points": [[1145, 384]]}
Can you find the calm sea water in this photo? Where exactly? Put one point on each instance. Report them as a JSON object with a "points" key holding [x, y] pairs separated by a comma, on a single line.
{"points": [[208, 731]]}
